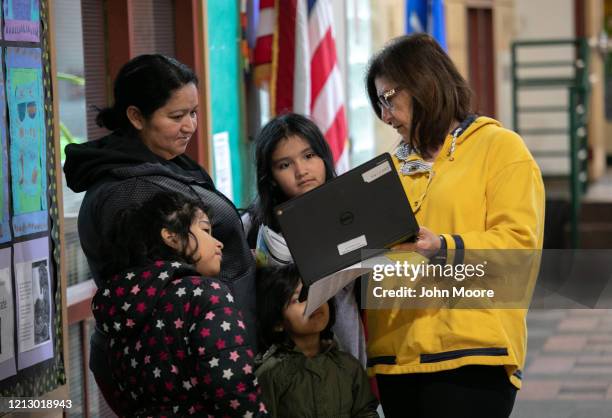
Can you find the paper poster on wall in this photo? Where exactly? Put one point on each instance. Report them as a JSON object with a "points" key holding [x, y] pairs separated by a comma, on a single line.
{"points": [[5, 230], [7, 320], [22, 20], [27, 141], [33, 286], [223, 164]]}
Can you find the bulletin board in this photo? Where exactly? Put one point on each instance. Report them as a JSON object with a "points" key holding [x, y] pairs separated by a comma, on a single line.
{"points": [[31, 332]]}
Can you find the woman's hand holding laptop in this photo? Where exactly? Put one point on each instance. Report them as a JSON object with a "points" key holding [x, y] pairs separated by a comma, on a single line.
{"points": [[427, 243]]}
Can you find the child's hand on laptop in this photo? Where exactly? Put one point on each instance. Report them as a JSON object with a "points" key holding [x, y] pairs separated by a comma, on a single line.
{"points": [[427, 243]]}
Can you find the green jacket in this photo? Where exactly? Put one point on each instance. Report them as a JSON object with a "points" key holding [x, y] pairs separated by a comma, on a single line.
{"points": [[331, 384]]}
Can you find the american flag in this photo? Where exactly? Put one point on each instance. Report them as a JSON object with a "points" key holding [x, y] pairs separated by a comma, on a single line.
{"points": [[295, 54]]}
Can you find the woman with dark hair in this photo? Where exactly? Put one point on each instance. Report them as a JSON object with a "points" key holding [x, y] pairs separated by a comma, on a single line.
{"points": [[177, 339], [303, 374], [292, 158], [472, 185], [152, 120]]}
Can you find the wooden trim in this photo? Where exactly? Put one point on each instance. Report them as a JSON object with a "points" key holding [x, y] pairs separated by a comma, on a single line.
{"points": [[481, 55], [579, 18], [186, 40], [205, 79], [79, 301], [120, 34], [189, 47]]}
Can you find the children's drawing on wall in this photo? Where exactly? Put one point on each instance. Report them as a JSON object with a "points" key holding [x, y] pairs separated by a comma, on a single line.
{"points": [[22, 20], [24, 90], [27, 143], [34, 302], [5, 231], [41, 295], [7, 319]]}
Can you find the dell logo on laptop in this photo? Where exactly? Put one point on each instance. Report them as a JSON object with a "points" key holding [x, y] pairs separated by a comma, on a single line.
{"points": [[346, 218]]}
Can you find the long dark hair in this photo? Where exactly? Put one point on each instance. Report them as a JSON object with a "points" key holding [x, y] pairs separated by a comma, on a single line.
{"points": [[146, 82], [439, 93], [275, 286], [134, 239], [269, 193]]}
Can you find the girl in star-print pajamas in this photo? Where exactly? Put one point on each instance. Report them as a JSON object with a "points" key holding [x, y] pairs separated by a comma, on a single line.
{"points": [[176, 337]]}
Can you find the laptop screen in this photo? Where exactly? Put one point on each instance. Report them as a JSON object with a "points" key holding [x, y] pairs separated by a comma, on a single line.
{"points": [[365, 208]]}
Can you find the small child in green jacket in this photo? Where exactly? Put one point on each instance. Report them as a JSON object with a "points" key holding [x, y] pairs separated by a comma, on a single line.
{"points": [[302, 373]]}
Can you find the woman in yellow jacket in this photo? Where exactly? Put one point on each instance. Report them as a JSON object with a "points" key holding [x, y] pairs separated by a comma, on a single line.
{"points": [[472, 185]]}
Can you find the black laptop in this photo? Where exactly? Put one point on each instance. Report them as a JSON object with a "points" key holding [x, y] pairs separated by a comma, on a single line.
{"points": [[327, 228]]}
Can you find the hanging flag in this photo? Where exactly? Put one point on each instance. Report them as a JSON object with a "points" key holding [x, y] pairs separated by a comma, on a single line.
{"points": [[245, 49], [304, 76], [264, 37], [252, 8], [426, 16]]}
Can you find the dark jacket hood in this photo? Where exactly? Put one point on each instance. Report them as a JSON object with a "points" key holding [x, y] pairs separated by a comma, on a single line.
{"points": [[90, 162], [126, 301]]}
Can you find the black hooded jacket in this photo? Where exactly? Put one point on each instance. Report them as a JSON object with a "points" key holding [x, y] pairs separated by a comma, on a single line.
{"points": [[118, 171]]}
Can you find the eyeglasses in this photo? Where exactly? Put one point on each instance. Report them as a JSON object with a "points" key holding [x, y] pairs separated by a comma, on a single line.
{"points": [[385, 99]]}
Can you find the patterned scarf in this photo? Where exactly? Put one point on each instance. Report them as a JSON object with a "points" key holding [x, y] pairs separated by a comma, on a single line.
{"points": [[412, 163]]}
